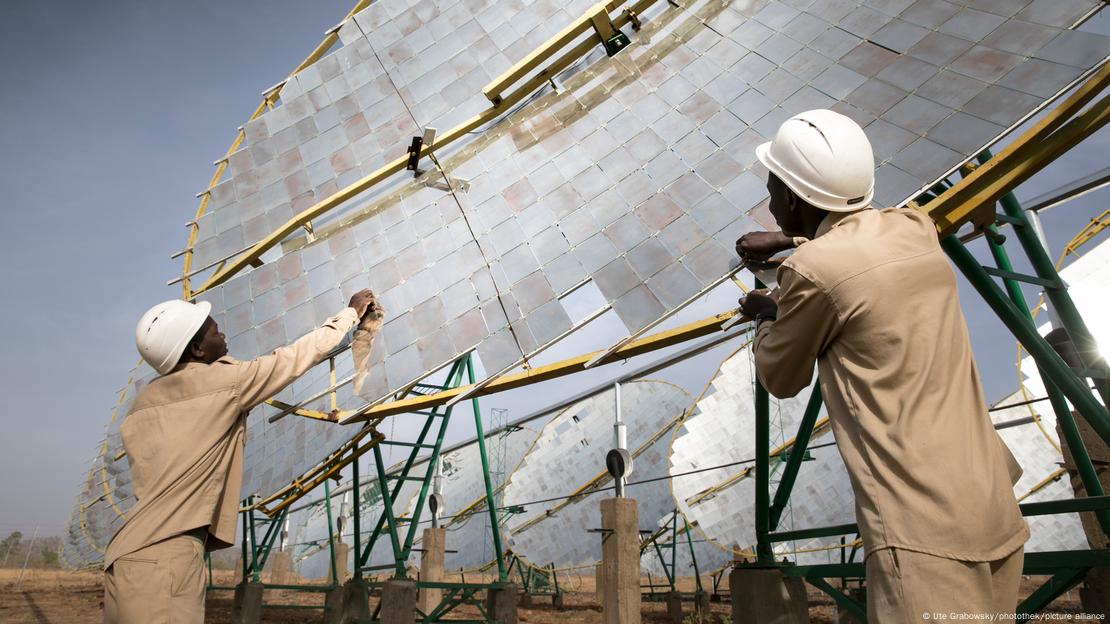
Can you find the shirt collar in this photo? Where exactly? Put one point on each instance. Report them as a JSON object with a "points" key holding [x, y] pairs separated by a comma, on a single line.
{"points": [[834, 219]]}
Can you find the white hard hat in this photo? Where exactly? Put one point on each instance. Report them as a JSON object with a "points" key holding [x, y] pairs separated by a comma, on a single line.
{"points": [[166, 329], [825, 158]]}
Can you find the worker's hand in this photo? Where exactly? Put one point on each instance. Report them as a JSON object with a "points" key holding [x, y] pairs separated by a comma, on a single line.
{"points": [[760, 304], [754, 248], [364, 301]]}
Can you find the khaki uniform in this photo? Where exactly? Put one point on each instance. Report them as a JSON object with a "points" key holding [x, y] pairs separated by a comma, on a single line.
{"points": [[184, 442], [873, 302]]}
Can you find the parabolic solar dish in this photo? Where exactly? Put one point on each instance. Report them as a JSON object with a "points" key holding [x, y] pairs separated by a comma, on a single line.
{"points": [[634, 171], [568, 457], [721, 501]]}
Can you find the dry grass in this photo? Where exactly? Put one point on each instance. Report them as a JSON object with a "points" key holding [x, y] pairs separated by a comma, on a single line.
{"points": [[60, 597]]}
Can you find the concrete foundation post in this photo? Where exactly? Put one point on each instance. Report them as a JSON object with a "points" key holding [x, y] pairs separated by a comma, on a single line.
{"points": [[674, 607], [431, 567], [558, 600], [246, 608], [281, 568], [398, 602], [620, 561], [765, 596], [355, 603], [701, 603], [501, 603], [342, 563], [599, 584], [333, 606]]}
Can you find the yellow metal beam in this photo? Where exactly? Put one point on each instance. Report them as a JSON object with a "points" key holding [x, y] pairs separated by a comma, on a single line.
{"points": [[563, 368], [973, 198]]}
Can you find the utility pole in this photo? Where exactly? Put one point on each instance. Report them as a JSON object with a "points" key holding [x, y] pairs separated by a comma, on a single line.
{"points": [[30, 548]]}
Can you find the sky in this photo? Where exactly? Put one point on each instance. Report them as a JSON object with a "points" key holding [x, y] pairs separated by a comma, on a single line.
{"points": [[111, 115]]}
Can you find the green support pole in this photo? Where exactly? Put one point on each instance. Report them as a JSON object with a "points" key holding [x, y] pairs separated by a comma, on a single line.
{"points": [[331, 533], [693, 557], [1065, 308], [764, 553], [674, 550], [254, 548], [501, 576], [1052, 589], [1016, 321], [797, 454], [355, 515], [387, 509], [1059, 404], [246, 535], [858, 610]]}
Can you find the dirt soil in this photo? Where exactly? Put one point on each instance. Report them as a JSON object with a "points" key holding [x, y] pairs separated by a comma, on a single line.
{"points": [[58, 597]]}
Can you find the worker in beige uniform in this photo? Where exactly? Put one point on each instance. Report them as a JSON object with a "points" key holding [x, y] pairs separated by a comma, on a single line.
{"points": [[872, 301], [184, 442]]}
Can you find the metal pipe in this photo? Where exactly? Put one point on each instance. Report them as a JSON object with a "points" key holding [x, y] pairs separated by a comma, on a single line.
{"points": [[764, 553], [495, 529]]}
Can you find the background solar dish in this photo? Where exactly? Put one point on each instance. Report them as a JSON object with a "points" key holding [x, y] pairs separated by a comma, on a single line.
{"points": [[309, 528], [1036, 445], [638, 173], [721, 502], [567, 457], [464, 513]]}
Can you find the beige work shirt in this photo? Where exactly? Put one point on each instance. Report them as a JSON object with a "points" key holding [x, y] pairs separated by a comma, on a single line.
{"points": [[873, 301], [184, 440]]}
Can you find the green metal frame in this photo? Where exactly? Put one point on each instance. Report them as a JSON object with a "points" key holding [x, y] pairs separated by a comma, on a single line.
{"points": [[1063, 384], [653, 545], [388, 525], [535, 581]]}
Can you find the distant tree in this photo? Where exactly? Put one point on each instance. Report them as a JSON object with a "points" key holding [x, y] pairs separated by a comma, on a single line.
{"points": [[10, 544], [49, 557]]}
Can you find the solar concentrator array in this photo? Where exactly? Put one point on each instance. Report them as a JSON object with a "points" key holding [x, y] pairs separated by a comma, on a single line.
{"points": [[568, 458], [720, 502], [637, 173]]}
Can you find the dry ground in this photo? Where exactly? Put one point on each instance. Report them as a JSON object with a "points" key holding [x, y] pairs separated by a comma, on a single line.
{"points": [[58, 597]]}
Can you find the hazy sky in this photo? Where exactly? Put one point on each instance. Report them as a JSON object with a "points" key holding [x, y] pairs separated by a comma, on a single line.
{"points": [[112, 113]]}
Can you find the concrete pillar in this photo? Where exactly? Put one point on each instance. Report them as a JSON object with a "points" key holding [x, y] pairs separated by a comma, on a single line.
{"points": [[431, 567], [599, 584], [342, 563], [501, 603], [355, 603], [333, 606], [246, 608], [558, 600], [620, 561], [765, 596], [674, 607], [281, 568], [701, 603], [398, 602]]}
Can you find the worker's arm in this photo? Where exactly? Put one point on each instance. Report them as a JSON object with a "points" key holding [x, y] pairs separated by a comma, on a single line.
{"points": [[786, 347], [262, 378]]}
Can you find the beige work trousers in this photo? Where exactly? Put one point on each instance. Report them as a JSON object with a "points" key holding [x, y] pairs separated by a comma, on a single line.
{"points": [[904, 586], [160, 584]]}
